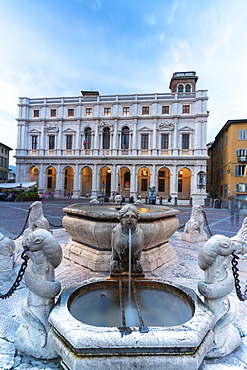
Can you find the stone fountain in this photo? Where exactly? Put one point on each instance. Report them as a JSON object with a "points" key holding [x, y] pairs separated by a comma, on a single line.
{"points": [[127, 320], [91, 225]]}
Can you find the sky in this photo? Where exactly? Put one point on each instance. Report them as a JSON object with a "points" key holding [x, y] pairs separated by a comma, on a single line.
{"points": [[55, 48]]}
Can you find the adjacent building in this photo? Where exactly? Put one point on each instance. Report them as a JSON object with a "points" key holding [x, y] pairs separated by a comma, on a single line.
{"points": [[227, 175], [94, 144], [4, 162]]}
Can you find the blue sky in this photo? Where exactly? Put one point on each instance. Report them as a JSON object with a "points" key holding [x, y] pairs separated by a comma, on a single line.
{"points": [[60, 47]]}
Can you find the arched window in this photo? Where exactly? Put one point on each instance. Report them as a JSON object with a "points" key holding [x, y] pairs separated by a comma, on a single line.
{"points": [[125, 138], [106, 138], [188, 88], [180, 88], [87, 138]]}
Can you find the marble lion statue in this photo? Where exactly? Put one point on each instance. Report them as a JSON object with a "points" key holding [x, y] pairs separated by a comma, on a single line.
{"points": [[195, 225]]}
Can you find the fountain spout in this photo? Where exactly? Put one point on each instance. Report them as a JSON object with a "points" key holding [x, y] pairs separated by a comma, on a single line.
{"points": [[127, 242]]}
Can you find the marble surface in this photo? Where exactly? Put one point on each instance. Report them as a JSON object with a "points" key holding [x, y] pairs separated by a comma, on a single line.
{"points": [[182, 270]]}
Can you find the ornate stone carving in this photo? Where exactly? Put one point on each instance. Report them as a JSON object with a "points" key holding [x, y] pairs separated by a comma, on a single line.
{"points": [[166, 124], [218, 282], [45, 253], [7, 247], [104, 124], [194, 228], [36, 219], [128, 216]]}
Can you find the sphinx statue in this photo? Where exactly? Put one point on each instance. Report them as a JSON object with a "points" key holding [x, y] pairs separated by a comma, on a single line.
{"points": [[125, 233], [45, 253], [194, 228]]}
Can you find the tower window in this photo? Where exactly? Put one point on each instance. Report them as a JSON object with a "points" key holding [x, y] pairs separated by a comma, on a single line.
{"points": [[188, 88], [186, 109], [180, 88]]}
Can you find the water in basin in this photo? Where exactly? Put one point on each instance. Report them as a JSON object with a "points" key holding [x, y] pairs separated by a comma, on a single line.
{"points": [[159, 308]]}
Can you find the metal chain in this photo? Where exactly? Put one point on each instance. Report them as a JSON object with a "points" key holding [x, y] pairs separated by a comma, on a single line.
{"points": [[25, 224], [206, 222], [181, 227], [55, 225], [18, 278], [241, 296]]}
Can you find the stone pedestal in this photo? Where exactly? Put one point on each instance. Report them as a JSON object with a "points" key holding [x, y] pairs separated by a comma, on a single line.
{"points": [[194, 238]]}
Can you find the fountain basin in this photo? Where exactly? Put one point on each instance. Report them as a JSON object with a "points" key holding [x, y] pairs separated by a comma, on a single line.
{"points": [[81, 345], [91, 225]]}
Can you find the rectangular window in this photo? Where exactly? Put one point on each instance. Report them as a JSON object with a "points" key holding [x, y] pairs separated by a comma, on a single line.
{"points": [[126, 111], [242, 135], [36, 113], [180, 186], [69, 142], [49, 182], [107, 111], [89, 112], [71, 112], [144, 141], [161, 185], [226, 139], [51, 142], [144, 184], [164, 141], [186, 109], [185, 141], [145, 110], [242, 187], [34, 142], [165, 109], [53, 112], [239, 170]]}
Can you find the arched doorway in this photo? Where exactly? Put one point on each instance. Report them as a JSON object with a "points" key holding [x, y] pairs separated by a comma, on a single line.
{"points": [[124, 182], [105, 181], [68, 184], [143, 181], [34, 175], [51, 180], [86, 181], [163, 183], [184, 177]]}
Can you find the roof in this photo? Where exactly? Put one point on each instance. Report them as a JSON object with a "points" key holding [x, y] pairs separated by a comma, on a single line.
{"points": [[5, 146]]}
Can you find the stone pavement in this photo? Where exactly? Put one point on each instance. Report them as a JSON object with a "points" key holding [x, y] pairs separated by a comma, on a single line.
{"points": [[183, 270]]}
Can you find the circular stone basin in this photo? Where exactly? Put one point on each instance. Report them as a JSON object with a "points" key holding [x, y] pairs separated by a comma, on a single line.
{"points": [[161, 304], [92, 224]]}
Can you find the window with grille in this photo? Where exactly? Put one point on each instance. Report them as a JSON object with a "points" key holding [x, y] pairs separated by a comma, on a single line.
{"points": [[185, 141], [36, 113], [69, 139], [187, 88], [106, 138], [87, 138], [126, 111], [51, 143], [165, 109], [242, 135], [164, 141], [34, 142], [71, 112], [145, 110], [144, 184], [107, 111], [161, 185], [144, 141], [89, 112], [125, 138], [53, 112], [186, 109]]}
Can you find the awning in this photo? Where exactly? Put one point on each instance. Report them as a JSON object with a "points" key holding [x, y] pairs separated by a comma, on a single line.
{"points": [[20, 185]]}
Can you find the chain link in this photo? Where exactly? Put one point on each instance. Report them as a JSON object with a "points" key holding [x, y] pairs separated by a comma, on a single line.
{"points": [[25, 224], [206, 222], [18, 278], [241, 296]]}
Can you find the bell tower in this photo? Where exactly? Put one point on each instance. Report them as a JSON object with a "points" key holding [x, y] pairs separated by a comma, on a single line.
{"points": [[183, 82]]}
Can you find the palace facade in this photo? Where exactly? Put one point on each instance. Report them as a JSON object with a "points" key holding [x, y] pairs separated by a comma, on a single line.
{"points": [[94, 144]]}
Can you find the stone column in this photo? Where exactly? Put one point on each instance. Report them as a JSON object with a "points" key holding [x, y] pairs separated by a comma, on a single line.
{"points": [[76, 190], [94, 192], [59, 186], [154, 145]]}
